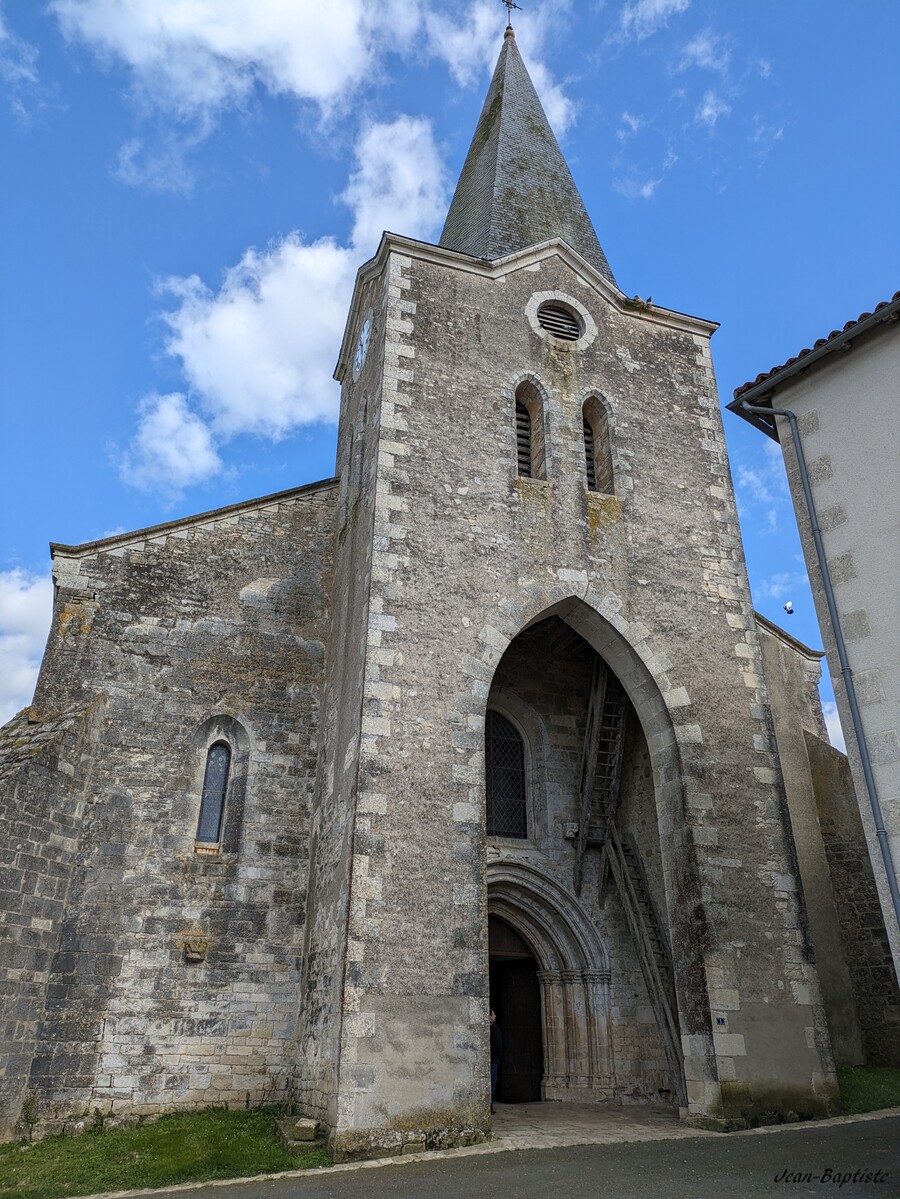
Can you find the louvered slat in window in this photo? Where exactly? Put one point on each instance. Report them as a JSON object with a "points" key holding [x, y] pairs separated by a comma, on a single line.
{"points": [[523, 440], [589, 459], [560, 321]]}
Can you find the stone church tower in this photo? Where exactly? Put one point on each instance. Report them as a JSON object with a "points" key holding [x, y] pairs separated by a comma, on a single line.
{"points": [[312, 781]]}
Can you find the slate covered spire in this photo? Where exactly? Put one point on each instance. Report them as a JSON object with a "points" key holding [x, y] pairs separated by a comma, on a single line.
{"points": [[515, 189]]}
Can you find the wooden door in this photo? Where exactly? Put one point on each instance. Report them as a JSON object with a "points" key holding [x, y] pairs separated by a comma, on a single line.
{"points": [[518, 1007]]}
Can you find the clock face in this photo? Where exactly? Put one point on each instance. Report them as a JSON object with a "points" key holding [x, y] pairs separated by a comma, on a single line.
{"points": [[362, 345]]}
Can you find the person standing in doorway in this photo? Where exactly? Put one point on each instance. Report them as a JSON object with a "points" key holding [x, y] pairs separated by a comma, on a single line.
{"points": [[496, 1051]]}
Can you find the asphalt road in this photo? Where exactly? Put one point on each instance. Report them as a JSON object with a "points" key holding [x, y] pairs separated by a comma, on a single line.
{"points": [[789, 1163]]}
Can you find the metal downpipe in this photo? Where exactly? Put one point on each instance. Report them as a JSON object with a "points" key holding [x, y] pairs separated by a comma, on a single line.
{"points": [[846, 672]]}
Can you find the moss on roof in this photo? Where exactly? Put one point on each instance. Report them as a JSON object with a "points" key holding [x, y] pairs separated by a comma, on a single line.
{"points": [[516, 189]]}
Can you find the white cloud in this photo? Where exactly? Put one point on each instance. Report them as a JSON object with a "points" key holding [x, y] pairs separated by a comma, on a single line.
{"points": [[782, 586], [399, 182], [468, 46], [833, 725], [764, 137], [196, 56], [258, 353], [707, 51], [636, 189], [762, 488], [710, 109], [18, 58], [630, 126], [26, 603], [640, 19], [172, 448], [763, 133], [18, 68], [161, 166]]}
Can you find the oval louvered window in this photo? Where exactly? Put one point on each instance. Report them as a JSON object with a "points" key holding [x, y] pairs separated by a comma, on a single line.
{"points": [[560, 320]]}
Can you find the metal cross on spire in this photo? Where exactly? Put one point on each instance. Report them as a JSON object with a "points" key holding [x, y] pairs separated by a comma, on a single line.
{"points": [[509, 7]]}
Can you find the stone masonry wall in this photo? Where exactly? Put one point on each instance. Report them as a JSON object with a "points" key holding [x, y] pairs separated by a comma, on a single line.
{"points": [[792, 674], [41, 810], [465, 554], [209, 629], [338, 847], [863, 937]]}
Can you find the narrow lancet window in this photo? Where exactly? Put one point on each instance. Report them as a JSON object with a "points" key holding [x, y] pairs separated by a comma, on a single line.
{"points": [[531, 450], [590, 464], [597, 449], [212, 804], [523, 440], [507, 806]]}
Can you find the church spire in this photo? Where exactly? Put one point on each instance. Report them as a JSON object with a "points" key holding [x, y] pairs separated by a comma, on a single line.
{"points": [[515, 189]]}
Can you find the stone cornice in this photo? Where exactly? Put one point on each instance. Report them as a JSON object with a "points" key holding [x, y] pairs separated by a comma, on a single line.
{"points": [[784, 636]]}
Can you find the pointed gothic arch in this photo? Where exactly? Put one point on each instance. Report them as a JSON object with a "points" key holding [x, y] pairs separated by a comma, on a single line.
{"points": [[573, 973], [663, 711], [642, 671]]}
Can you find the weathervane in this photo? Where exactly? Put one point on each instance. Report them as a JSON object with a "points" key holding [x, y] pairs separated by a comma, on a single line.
{"points": [[509, 7]]}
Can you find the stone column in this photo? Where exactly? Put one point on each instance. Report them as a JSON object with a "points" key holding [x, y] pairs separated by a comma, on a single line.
{"points": [[596, 988], [554, 1031], [578, 1065]]}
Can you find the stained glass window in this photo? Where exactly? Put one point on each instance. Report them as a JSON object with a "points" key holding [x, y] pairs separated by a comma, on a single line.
{"points": [[507, 809], [212, 804]]}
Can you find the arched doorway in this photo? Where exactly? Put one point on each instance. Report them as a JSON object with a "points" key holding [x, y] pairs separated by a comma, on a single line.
{"points": [[539, 936], [516, 998]]}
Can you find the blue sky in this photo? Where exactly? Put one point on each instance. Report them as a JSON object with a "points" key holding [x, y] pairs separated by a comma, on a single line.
{"points": [[190, 185]]}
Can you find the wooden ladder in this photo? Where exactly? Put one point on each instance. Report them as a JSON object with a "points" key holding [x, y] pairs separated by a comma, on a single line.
{"points": [[601, 763], [619, 860]]}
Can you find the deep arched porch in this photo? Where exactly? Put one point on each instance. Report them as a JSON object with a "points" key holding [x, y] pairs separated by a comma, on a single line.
{"points": [[542, 684]]}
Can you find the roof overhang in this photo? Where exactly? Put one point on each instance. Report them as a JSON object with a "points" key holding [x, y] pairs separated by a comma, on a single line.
{"points": [[761, 392], [394, 243]]}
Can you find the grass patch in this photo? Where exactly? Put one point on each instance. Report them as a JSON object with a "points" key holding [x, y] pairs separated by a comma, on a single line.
{"points": [[189, 1147], [868, 1088]]}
